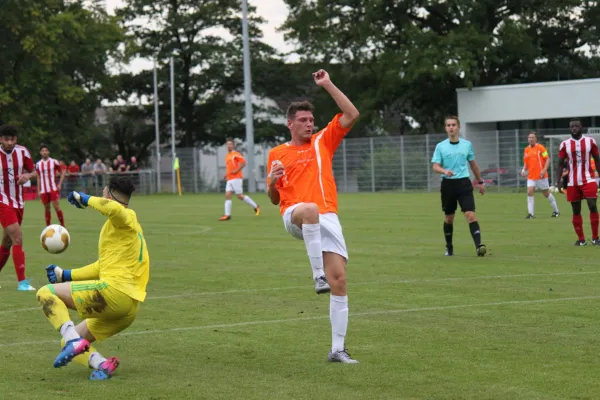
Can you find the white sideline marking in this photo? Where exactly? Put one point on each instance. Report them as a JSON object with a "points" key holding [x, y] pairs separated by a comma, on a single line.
{"points": [[287, 320]]}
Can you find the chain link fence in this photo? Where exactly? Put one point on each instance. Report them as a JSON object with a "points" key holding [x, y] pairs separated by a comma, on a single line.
{"points": [[390, 163]]}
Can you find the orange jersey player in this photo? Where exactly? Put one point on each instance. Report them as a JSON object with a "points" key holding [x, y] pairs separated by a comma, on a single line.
{"points": [[535, 166], [234, 162], [300, 180]]}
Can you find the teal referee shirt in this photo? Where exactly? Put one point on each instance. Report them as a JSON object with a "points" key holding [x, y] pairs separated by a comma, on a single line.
{"points": [[454, 157]]}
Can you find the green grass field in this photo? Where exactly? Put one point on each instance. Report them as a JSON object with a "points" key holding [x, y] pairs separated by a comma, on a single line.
{"points": [[231, 311]]}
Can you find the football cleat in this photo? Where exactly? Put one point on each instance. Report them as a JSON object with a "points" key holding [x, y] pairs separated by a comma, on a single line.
{"points": [[449, 251], [24, 286], [580, 243], [72, 349], [257, 211], [596, 242], [481, 250], [321, 285], [529, 216], [106, 370], [555, 214], [341, 356], [225, 218]]}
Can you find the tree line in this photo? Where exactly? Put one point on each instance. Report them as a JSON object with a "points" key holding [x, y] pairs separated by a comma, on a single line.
{"points": [[398, 60]]}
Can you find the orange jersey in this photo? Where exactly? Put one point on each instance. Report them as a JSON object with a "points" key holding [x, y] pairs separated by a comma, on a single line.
{"points": [[233, 161], [534, 159], [308, 176]]}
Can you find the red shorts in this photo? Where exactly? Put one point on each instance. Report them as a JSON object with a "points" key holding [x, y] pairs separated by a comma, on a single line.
{"points": [[587, 191], [49, 197], [9, 215]]}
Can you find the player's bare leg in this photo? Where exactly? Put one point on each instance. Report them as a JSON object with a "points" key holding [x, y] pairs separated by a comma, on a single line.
{"points": [[55, 301], [552, 201], [475, 233], [47, 214], [250, 202], [59, 213], [578, 223], [530, 202], [227, 215], [448, 230], [13, 238], [592, 206], [306, 217], [335, 268]]}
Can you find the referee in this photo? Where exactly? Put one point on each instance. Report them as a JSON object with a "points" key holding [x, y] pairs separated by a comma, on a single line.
{"points": [[451, 159]]}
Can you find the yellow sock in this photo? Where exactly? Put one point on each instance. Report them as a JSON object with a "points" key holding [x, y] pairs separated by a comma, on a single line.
{"points": [[54, 308], [82, 359]]}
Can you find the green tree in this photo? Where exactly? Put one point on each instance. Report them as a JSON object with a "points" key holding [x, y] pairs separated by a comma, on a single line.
{"points": [[409, 56], [54, 71]]}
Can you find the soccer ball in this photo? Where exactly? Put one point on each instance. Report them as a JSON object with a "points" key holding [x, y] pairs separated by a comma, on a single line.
{"points": [[55, 239]]}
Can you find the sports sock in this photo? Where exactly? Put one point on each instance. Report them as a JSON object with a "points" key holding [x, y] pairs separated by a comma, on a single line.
{"points": [[552, 202], [474, 227], [95, 360], [4, 255], [578, 225], [227, 207], [448, 228], [338, 314], [19, 261], [48, 217], [530, 201], [250, 201], [56, 311], [594, 222], [61, 217], [312, 240]]}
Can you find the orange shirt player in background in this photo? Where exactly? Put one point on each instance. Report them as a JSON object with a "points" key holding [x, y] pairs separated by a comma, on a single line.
{"points": [[536, 162], [300, 180], [234, 162]]}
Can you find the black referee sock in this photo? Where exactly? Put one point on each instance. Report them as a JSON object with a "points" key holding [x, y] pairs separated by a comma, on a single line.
{"points": [[448, 228], [474, 227]]}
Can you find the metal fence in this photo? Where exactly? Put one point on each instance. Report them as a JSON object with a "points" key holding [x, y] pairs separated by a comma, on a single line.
{"points": [[391, 163]]}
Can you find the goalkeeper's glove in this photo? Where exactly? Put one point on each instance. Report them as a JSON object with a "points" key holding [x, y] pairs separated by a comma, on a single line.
{"points": [[57, 275], [78, 199]]}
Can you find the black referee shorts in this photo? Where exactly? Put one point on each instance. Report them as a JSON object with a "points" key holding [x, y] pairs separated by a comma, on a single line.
{"points": [[457, 191]]}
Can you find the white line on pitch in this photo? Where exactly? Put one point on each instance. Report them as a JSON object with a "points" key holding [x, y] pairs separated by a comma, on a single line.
{"points": [[358, 314]]}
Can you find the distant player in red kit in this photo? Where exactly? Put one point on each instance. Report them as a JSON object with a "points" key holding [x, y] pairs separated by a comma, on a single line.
{"points": [[49, 191], [16, 168], [579, 151]]}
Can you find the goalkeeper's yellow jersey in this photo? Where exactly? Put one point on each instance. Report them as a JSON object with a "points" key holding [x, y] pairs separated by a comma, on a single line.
{"points": [[123, 260]]}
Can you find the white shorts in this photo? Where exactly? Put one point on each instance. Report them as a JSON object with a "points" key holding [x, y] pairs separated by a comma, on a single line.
{"points": [[541, 184], [235, 185], [332, 238]]}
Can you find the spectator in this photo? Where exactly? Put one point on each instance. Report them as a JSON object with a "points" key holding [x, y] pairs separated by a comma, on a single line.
{"points": [[100, 171], [115, 166], [73, 173], [133, 165], [122, 163], [63, 167], [87, 171]]}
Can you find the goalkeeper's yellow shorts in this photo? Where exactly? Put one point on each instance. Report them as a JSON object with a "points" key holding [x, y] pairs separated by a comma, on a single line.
{"points": [[106, 310]]}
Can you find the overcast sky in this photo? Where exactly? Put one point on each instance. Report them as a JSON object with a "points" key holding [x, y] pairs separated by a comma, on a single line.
{"points": [[273, 11]]}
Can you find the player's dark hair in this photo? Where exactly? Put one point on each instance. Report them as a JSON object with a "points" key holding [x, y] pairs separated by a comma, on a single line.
{"points": [[534, 133], [294, 107], [454, 117], [8, 130], [121, 184], [229, 140], [576, 120], [42, 147]]}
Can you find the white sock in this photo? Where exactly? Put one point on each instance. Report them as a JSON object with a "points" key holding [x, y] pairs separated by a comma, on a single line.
{"points": [[312, 241], [68, 331], [530, 205], [552, 201], [250, 201], [338, 314], [96, 360], [227, 207]]}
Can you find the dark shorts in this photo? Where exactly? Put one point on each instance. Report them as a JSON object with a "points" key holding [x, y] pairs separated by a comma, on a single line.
{"points": [[457, 191]]}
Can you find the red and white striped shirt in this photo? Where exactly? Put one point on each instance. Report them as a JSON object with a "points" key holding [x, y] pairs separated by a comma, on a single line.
{"points": [[12, 166], [579, 154], [46, 175]]}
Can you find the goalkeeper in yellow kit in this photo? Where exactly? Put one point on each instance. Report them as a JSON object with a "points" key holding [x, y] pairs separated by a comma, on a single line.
{"points": [[105, 294]]}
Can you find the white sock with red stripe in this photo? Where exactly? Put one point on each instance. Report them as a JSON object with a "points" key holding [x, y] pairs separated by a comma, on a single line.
{"points": [[530, 201], [227, 207], [312, 240], [552, 202]]}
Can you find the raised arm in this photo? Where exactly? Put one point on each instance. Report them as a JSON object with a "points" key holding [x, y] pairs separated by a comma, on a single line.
{"points": [[56, 274], [349, 111], [117, 214]]}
